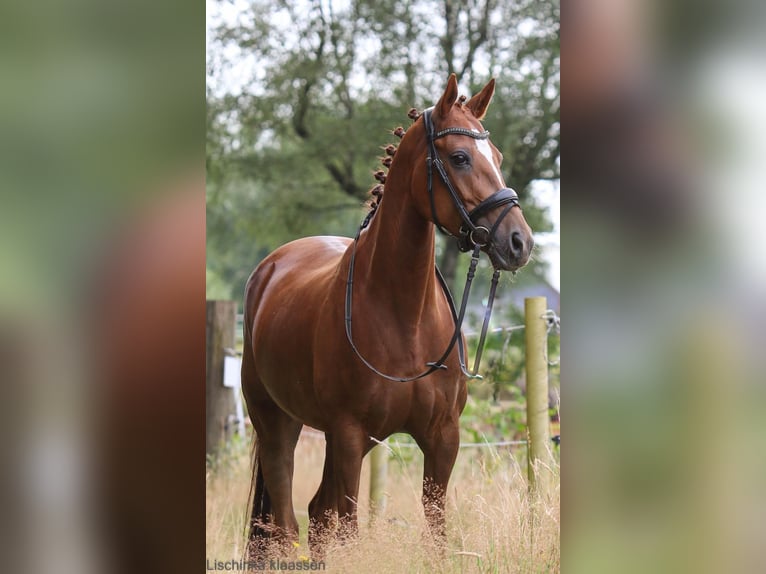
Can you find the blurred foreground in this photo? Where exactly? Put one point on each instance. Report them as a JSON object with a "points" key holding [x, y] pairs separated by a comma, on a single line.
{"points": [[102, 286], [664, 265]]}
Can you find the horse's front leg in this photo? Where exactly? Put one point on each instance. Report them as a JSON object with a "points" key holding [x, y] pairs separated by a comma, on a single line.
{"points": [[440, 447]]}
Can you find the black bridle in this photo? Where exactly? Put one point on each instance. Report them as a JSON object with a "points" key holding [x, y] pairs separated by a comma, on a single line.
{"points": [[471, 237], [470, 233]]}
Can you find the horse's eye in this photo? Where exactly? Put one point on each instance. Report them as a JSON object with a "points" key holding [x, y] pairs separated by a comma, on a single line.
{"points": [[460, 159]]}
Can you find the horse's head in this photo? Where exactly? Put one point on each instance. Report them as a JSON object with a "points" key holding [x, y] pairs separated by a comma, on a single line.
{"points": [[458, 183]]}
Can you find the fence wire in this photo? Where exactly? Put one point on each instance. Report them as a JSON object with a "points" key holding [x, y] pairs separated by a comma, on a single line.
{"points": [[553, 323], [317, 435]]}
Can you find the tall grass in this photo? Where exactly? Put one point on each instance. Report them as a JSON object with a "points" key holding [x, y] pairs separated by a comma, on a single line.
{"points": [[493, 524]]}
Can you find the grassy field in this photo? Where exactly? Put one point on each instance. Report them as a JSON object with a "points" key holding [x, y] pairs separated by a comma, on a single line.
{"points": [[493, 525]]}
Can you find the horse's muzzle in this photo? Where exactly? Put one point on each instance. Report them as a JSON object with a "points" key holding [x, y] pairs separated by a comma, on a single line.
{"points": [[511, 252]]}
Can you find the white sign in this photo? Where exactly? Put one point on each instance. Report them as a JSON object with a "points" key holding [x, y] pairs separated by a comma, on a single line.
{"points": [[232, 366]]}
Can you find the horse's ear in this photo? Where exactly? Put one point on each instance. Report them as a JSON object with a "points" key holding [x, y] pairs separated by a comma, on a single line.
{"points": [[480, 102], [448, 98]]}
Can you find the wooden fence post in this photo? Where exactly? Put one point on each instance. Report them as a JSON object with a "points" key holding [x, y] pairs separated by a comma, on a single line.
{"points": [[539, 454], [219, 400], [378, 477]]}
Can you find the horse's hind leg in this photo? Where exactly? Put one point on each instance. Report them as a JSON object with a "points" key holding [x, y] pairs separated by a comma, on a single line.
{"points": [[277, 434], [335, 503], [272, 515]]}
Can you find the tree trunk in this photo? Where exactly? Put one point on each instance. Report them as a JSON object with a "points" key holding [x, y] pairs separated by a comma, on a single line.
{"points": [[448, 264]]}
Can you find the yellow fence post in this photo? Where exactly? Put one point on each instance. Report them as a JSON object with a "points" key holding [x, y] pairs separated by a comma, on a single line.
{"points": [[539, 454], [378, 476]]}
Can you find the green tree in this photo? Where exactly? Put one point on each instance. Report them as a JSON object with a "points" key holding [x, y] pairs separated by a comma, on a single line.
{"points": [[319, 87]]}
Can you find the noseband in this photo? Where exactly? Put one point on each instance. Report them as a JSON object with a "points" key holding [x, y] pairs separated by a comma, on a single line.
{"points": [[471, 237], [470, 233]]}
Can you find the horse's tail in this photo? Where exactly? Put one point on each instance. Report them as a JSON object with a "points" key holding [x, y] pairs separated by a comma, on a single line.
{"points": [[259, 506]]}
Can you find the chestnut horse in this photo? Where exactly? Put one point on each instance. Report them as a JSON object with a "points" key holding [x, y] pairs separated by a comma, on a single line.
{"points": [[298, 367]]}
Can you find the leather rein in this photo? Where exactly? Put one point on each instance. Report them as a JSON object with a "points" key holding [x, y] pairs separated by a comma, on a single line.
{"points": [[472, 237]]}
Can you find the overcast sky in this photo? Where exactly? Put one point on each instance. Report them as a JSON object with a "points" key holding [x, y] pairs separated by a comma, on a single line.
{"points": [[546, 194]]}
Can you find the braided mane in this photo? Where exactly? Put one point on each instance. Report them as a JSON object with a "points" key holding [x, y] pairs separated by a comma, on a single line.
{"points": [[376, 192]]}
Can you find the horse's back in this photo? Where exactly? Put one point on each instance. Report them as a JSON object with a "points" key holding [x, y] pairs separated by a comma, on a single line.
{"points": [[302, 263]]}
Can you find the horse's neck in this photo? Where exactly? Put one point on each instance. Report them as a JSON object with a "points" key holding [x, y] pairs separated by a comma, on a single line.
{"points": [[397, 256]]}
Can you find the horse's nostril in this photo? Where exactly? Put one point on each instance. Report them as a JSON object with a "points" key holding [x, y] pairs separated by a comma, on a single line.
{"points": [[517, 244]]}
